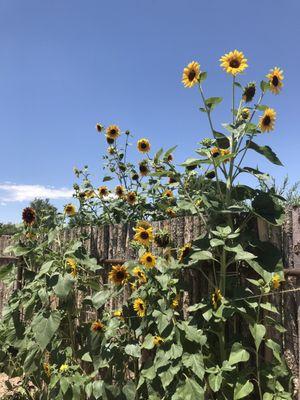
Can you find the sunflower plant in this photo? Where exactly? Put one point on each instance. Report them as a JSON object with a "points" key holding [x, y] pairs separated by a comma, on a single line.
{"points": [[157, 343]]}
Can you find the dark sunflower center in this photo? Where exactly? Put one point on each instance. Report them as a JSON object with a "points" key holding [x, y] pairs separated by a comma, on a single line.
{"points": [[143, 168], [120, 275], [192, 75], [144, 235], [267, 120], [113, 132], [141, 307], [143, 145], [275, 80], [234, 63], [149, 259]]}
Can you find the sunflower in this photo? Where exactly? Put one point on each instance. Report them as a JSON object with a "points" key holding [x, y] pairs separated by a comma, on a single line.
{"points": [[162, 239], [131, 198], [143, 224], [143, 146], [170, 158], [89, 194], [143, 236], [118, 314], [170, 212], [191, 74], [143, 168], [245, 114], [168, 193], [135, 176], [111, 150], [172, 179], [215, 152], [139, 307], [29, 216], [118, 274], [73, 266], [99, 127], [249, 92], [47, 369], [276, 281], [184, 251], [175, 302], [112, 132], [97, 326], [120, 191], [225, 152], [267, 121], [234, 62], [157, 340], [137, 272], [63, 368], [216, 297], [70, 209], [275, 77], [148, 259], [103, 191]]}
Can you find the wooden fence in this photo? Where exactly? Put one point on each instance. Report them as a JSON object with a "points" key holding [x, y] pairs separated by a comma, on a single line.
{"points": [[112, 244]]}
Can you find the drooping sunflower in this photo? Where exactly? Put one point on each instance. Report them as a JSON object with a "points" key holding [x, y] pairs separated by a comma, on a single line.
{"points": [[184, 251], [143, 168], [276, 281], [275, 77], [137, 272], [143, 146], [234, 62], [216, 297], [70, 209], [28, 216], [143, 236], [118, 274], [249, 92], [111, 150], [72, 264], [131, 198], [135, 176], [103, 191], [158, 340], [215, 152], [267, 121], [99, 127], [170, 158], [148, 259], [97, 326], [120, 191], [139, 307], [191, 74], [47, 369], [112, 132]]}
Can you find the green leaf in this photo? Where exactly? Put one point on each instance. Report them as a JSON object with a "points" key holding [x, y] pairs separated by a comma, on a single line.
{"points": [[107, 178], [264, 86], [203, 76], [215, 381], [265, 151], [100, 298], [238, 354], [98, 389], [258, 332], [5, 270], [45, 268], [242, 390], [195, 363], [201, 255], [129, 390], [174, 352], [168, 375], [190, 390], [148, 342], [63, 286], [189, 162], [133, 350], [269, 307], [275, 347], [267, 207], [45, 328], [222, 140], [211, 102]]}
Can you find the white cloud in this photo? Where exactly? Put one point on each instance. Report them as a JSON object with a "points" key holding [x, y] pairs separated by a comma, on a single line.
{"points": [[10, 192]]}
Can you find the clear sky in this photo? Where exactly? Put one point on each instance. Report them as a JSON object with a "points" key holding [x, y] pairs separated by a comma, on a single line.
{"points": [[67, 64]]}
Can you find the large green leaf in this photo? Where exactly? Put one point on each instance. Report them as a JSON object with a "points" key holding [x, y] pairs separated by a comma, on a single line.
{"points": [[242, 390], [168, 375], [195, 363], [100, 298], [267, 207], [190, 390], [238, 354], [265, 151], [133, 350], [258, 332], [215, 381], [44, 328], [64, 285]]}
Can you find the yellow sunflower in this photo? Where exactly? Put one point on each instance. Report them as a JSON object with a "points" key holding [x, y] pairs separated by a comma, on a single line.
{"points": [[143, 236], [157, 340], [118, 314], [143, 168], [168, 193], [139, 307], [191, 74], [276, 281], [70, 209], [131, 198], [97, 326], [73, 266], [184, 251], [89, 194], [103, 191], [267, 121], [137, 272], [234, 62], [118, 275], [112, 132], [215, 152], [120, 191], [245, 114], [148, 259], [143, 146], [225, 152], [275, 77], [63, 368], [47, 369], [216, 297], [175, 301]]}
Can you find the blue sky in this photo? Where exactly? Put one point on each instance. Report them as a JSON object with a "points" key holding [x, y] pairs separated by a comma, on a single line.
{"points": [[67, 64]]}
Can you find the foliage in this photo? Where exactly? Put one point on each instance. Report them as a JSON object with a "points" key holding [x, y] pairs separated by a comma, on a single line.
{"points": [[8, 228], [155, 346]]}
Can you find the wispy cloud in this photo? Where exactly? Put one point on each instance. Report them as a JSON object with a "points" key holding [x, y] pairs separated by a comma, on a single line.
{"points": [[10, 192]]}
